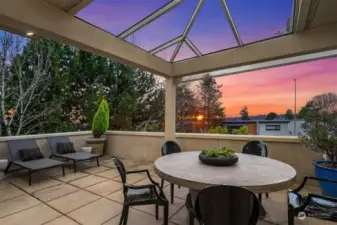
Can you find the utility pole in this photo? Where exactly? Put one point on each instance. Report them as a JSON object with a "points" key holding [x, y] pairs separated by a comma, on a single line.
{"points": [[295, 109]]}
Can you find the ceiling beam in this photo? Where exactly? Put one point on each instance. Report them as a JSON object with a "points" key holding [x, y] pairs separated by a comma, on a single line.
{"points": [[48, 21], [309, 41], [149, 18], [193, 47], [231, 23], [260, 66], [166, 45], [187, 29], [78, 7], [304, 14]]}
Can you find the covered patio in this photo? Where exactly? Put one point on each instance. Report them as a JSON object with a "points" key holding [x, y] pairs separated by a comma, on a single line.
{"points": [[93, 195]]}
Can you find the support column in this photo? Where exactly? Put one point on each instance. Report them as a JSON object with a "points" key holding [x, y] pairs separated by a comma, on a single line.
{"points": [[170, 109]]}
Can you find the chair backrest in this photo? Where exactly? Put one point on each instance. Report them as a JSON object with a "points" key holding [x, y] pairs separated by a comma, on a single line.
{"points": [[15, 145], [120, 167], [256, 148], [222, 205], [57, 139], [170, 147]]}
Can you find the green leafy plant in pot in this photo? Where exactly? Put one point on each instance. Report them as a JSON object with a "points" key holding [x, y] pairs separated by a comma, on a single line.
{"points": [[321, 136], [218, 156], [100, 125]]}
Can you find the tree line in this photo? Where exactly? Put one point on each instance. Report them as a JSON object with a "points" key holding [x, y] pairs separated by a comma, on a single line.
{"points": [[48, 87]]}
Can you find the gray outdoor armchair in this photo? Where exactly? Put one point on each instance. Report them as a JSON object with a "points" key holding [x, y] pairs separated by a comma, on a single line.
{"points": [[15, 146], [74, 156]]}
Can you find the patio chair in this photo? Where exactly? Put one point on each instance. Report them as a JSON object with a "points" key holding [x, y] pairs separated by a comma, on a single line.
{"points": [[74, 155], [140, 194], [32, 165], [224, 205], [170, 147], [258, 148], [313, 205]]}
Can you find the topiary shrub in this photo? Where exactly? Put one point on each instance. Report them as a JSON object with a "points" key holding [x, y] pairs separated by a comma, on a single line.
{"points": [[100, 123]]}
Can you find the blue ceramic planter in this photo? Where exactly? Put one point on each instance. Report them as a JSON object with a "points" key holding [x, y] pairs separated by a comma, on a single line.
{"points": [[328, 188]]}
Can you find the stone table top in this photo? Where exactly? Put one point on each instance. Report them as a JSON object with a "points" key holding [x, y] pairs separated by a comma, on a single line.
{"points": [[258, 174]]}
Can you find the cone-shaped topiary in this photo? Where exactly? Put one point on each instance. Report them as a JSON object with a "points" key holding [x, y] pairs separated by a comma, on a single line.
{"points": [[100, 124]]}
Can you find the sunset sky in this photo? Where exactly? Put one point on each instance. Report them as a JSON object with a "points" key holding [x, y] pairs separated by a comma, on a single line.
{"points": [[272, 90]]}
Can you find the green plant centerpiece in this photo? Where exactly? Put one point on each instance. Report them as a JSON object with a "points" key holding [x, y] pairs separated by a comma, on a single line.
{"points": [[100, 125], [218, 157]]}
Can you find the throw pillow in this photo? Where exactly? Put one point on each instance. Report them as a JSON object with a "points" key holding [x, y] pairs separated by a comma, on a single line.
{"points": [[65, 148], [29, 154]]}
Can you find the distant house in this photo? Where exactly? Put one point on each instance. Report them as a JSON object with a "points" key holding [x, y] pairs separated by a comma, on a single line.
{"points": [[278, 127]]}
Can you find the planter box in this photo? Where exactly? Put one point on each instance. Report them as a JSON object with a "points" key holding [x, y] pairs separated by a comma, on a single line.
{"points": [[97, 144]]}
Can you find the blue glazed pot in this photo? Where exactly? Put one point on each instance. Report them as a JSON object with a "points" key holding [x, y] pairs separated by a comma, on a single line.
{"points": [[328, 188]]}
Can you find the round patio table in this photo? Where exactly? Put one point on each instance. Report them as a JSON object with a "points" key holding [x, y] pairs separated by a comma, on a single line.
{"points": [[256, 173]]}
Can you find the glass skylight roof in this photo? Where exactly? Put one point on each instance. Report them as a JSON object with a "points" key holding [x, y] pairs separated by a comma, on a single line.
{"points": [[261, 19], [170, 25], [202, 26], [211, 31], [184, 53], [167, 53], [115, 16]]}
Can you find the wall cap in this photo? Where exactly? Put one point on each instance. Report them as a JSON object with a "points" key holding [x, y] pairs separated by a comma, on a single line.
{"points": [[288, 139], [41, 136]]}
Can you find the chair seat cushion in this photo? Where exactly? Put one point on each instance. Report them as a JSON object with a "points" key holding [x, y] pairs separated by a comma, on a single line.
{"points": [[38, 164], [326, 207], [78, 156], [28, 154], [315, 205], [65, 148], [139, 195], [295, 199]]}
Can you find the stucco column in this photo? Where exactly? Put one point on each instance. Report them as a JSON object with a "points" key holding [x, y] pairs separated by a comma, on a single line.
{"points": [[170, 109]]}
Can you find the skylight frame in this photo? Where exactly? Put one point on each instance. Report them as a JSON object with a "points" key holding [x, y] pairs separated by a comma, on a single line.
{"points": [[180, 40]]}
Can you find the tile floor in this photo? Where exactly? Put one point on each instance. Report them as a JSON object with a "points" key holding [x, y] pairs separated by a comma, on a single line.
{"points": [[93, 196]]}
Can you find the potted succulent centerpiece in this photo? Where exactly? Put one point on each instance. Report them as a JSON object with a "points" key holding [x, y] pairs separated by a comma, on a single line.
{"points": [[321, 136], [100, 125], [218, 157]]}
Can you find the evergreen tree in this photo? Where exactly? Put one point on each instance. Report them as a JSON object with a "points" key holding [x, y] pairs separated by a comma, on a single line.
{"points": [[186, 105], [289, 114], [271, 116], [244, 113], [210, 104]]}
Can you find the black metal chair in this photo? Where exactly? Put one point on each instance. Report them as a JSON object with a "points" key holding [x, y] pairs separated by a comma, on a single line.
{"points": [[258, 148], [224, 205], [170, 147], [313, 205], [140, 194]]}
